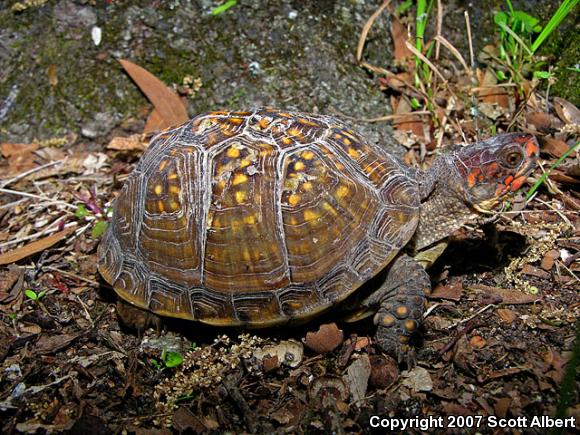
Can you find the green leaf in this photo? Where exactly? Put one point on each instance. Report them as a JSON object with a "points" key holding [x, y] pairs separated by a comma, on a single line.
{"points": [[403, 7], [500, 18], [31, 294], [222, 8], [173, 359], [193, 344], [98, 229], [41, 294], [81, 211], [415, 103], [155, 364], [543, 74], [530, 23], [500, 75]]}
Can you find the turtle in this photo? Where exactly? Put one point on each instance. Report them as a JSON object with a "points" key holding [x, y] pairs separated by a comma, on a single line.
{"points": [[267, 217]]}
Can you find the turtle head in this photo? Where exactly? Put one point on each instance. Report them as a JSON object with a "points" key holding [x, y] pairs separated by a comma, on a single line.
{"points": [[467, 186], [492, 170]]}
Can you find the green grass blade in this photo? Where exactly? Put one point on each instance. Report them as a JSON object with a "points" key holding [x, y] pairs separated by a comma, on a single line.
{"points": [[562, 12], [222, 8], [545, 174]]}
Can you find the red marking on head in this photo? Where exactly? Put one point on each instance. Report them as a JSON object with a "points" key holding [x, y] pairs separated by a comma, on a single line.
{"points": [[472, 177], [532, 148], [517, 183], [508, 180]]}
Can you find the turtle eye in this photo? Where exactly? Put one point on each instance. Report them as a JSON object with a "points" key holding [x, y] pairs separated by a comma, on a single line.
{"points": [[512, 158]]}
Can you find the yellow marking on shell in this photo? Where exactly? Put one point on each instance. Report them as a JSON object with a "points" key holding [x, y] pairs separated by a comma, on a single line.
{"points": [[236, 121], [294, 132], [293, 220], [174, 189], [174, 205], [239, 179], [233, 153], [329, 208], [299, 166], [307, 186], [346, 141], [235, 224], [250, 220], [240, 196], [158, 189], [264, 123], [410, 325], [244, 163], [307, 155], [307, 122], [216, 223], [342, 191], [337, 135], [310, 215], [246, 254], [160, 205], [162, 165], [286, 140], [353, 153], [172, 176], [294, 199]]}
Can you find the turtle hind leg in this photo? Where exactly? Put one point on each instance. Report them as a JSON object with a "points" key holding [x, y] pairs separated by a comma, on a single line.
{"points": [[401, 303], [138, 319]]}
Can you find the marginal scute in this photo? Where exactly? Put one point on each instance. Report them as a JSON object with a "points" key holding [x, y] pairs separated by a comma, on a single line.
{"points": [[256, 218]]}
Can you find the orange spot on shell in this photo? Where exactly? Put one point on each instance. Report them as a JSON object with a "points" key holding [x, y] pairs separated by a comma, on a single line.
{"points": [[162, 165], [158, 189], [233, 153], [310, 215], [286, 140], [299, 166], [239, 179], [307, 155]]}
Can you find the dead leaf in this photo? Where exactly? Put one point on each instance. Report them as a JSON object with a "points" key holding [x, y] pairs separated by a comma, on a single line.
{"points": [[183, 419], [506, 296], [567, 111], [326, 339], [357, 377], [507, 315], [418, 379], [477, 342], [554, 147], [48, 344], [451, 291], [500, 374], [400, 35], [549, 258], [14, 149], [166, 102], [502, 406], [154, 122], [134, 142], [543, 121], [34, 247]]}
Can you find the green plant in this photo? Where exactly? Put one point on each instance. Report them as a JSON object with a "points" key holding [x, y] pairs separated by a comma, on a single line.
{"points": [[517, 42], [422, 71], [224, 7], [169, 359], [32, 295]]}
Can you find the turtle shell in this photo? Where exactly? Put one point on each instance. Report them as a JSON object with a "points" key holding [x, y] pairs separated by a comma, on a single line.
{"points": [[256, 218]]}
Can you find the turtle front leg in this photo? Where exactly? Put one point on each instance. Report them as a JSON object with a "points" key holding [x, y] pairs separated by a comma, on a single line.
{"points": [[401, 302]]}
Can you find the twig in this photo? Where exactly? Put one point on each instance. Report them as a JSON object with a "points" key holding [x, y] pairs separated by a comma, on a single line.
{"points": [[439, 28], [454, 51], [44, 198], [487, 307], [71, 275], [30, 171], [468, 25], [393, 117], [366, 28], [37, 235]]}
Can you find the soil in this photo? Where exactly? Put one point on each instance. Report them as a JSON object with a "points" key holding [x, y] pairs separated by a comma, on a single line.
{"points": [[500, 340]]}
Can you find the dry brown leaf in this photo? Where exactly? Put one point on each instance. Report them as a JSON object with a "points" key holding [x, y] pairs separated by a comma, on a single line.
{"points": [[452, 291], [400, 36], [326, 339], [477, 342], [34, 247], [507, 315], [507, 296], [543, 121], [567, 111], [154, 122], [14, 149], [166, 101], [129, 143], [555, 147]]}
